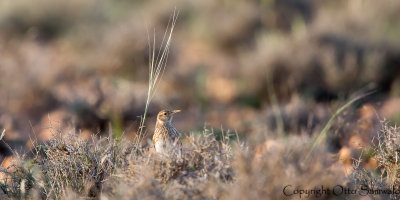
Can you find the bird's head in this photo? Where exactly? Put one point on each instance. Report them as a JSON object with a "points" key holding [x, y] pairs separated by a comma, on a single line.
{"points": [[166, 116]]}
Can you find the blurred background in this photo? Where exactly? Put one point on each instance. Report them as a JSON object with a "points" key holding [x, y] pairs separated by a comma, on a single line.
{"points": [[269, 67]]}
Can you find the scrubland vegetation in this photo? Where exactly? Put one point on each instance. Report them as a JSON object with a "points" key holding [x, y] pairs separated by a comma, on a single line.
{"points": [[280, 99]]}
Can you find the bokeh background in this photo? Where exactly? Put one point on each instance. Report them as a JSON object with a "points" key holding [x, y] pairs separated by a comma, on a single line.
{"points": [[269, 67]]}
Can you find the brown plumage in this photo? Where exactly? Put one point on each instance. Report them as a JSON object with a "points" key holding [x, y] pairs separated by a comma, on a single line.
{"points": [[166, 137]]}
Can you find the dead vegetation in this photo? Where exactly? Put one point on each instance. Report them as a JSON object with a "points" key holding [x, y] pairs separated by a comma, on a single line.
{"points": [[386, 152], [90, 168]]}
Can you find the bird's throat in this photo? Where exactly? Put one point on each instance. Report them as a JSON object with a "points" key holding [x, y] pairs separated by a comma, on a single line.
{"points": [[160, 122]]}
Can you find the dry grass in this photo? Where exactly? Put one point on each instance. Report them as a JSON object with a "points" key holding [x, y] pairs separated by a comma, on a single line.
{"points": [[69, 167], [386, 152], [100, 166]]}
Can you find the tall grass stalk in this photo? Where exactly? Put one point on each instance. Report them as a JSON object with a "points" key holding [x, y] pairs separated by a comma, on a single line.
{"points": [[322, 135], [2, 134], [157, 64], [275, 106]]}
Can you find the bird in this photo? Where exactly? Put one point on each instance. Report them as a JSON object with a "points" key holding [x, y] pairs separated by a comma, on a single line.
{"points": [[166, 138]]}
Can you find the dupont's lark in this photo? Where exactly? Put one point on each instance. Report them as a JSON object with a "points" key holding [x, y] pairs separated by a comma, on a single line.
{"points": [[166, 137]]}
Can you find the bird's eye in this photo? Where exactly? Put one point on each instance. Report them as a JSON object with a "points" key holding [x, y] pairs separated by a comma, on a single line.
{"points": [[165, 113]]}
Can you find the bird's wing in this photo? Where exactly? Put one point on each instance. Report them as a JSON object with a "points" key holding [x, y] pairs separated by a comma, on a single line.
{"points": [[175, 133], [177, 137], [179, 134]]}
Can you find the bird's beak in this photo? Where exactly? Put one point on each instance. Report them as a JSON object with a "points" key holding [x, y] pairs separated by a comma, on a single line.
{"points": [[175, 111]]}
